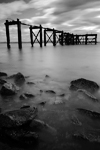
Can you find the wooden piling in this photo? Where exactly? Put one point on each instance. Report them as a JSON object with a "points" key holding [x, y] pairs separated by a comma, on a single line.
{"points": [[7, 34], [31, 36], [54, 37], [44, 37], [96, 39], [62, 38], [86, 39], [40, 36], [19, 34]]}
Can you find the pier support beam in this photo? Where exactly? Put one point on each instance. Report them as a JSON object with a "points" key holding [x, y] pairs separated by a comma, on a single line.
{"points": [[44, 37], [31, 36], [40, 36], [19, 34], [86, 39], [62, 38], [7, 34], [54, 37]]}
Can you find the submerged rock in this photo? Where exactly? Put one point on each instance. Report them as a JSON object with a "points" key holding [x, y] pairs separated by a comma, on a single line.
{"points": [[47, 76], [92, 114], [26, 96], [17, 118], [88, 137], [62, 95], [82, 83], [20, 136], [18, 78], [3, 74], [88, 95], [50, 92], [23, 97], [76, 121], [42, 103], [25, 106], [30, 83], [9, 89], [2, 81]]}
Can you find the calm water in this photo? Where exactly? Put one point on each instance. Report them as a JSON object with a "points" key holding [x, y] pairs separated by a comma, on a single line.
{"points": [[62, 64]]}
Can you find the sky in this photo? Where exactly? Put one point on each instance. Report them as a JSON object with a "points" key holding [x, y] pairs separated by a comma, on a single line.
{"points": [[74, 16]]}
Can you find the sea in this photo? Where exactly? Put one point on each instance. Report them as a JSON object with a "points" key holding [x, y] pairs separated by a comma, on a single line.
{"points": [[53, 68]]}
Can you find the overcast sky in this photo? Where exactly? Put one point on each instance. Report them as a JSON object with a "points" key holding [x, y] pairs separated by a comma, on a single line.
{"points": [[75, 16]]}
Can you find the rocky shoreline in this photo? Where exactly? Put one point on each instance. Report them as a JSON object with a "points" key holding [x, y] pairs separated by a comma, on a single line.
{"points": [[21, 125]]}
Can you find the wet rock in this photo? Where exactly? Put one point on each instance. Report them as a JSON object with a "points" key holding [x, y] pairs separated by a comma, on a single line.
{"points": [[29, 95], [25, 106], [18, 78], [20, 136], [47, 76], [2, 81], [9, 89], [37, 125], [90, 113], [30, 83], [41, 91], [3, 74], [82, 83], [26, 96], [76, 121], [88, 95], [62, 95], [23, 97], [17, 118], [42, 103], [88, 137], [50, 92]]}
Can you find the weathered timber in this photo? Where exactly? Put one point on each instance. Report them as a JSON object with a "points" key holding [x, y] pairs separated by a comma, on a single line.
{"points": [[55, 37]]}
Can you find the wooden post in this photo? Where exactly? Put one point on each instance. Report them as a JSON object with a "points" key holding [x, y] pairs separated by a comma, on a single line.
{"points": [[31, 36], [62, 38], [7, 34], [54, 37], [40, 36], [95, 39], [86, 39], [44, 37], [19, 34]]}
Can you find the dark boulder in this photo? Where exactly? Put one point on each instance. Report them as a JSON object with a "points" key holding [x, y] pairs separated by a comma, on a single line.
{"points": [[30, 83], [23, 97], [25, 106], [2, 81], [87, 94], [3, 74], [88, 136], [90, 113], [9, 89], [17, 118], [18, 78], [20, 136], [81, 83], [26, 96], [47, 76], [42, 103], [50, 91]]}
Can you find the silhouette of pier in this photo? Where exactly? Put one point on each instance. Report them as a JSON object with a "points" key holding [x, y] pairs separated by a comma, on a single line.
{"points": [[46, 35]]}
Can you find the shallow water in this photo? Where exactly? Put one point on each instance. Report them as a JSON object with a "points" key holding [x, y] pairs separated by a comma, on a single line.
{"points": [[62, 64]]}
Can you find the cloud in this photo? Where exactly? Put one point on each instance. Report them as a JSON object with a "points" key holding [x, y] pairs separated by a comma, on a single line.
{"points": [[7, 9]]}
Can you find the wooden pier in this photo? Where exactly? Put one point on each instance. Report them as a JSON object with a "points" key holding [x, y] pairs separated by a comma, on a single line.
{"points": [[48, 35], [72, 39]]}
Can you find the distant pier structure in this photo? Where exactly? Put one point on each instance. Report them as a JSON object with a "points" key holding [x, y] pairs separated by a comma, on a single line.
{"points": [[48, 35], [74, 39]]}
